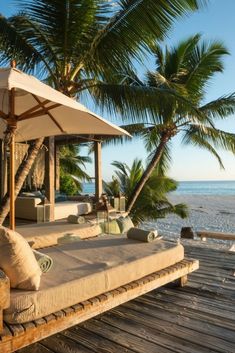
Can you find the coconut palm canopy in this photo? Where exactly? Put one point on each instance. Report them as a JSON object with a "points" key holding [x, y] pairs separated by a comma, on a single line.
{"points": [[188, 69], [82, 45]]}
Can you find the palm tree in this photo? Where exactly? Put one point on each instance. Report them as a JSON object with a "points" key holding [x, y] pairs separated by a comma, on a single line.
{"points": [[72, 166], [188, 69], [77, 46], [152, 202], [76, 43]]}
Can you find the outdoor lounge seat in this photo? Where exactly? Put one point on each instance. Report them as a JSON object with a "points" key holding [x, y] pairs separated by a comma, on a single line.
{"points": [[47, 234], [26, 208], [87, 278], [85, 269]]}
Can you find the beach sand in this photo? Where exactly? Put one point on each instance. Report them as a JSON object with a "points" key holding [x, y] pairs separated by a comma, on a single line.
{"points": [[215, 213]]}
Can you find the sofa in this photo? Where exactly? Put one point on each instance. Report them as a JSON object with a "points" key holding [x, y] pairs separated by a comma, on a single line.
{"points": [[27, 208]]}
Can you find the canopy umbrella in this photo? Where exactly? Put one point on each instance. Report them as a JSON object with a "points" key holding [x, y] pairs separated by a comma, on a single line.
{"points": [[29, 109]]}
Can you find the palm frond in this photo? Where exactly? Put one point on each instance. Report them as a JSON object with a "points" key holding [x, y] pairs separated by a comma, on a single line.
{"points": [[152, 202], [172, 65], [221, 108], [210, 138], [203, 62], [13, 44], [199, 141], [141, 104], [121, 40], [73, 163]]}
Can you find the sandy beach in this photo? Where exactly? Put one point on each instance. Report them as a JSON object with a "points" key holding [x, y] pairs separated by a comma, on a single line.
{"points": [[207, 212]]}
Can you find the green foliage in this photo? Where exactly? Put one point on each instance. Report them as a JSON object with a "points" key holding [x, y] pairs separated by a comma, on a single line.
{"points": [[188, 69], [152, 203], [83, 45], [68, 185], [112, 188], [72, 166]]}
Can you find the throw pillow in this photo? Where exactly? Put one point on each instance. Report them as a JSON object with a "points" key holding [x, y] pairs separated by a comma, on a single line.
{"points": [[125, 224], [18, 261]]}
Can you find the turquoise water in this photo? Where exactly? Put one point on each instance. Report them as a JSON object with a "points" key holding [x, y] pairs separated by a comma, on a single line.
{"points": [[190, 188], [88, 188], [206, 188]]}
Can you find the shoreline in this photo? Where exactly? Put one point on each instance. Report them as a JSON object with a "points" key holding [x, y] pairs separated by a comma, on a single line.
{"points": [[206, 212]]}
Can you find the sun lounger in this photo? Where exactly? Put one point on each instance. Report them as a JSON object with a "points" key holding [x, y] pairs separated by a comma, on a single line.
{"points": [[87, 278]]}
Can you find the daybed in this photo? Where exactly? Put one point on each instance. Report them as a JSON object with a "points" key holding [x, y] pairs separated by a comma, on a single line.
{"points": [[26, 208], [88, 277], [47, 234]]}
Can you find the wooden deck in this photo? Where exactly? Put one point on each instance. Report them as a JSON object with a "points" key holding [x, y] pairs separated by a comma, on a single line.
{"points": [[199, 318]]}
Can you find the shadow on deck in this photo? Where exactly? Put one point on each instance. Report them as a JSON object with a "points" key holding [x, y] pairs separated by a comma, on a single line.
{"points": [[199, 318]]}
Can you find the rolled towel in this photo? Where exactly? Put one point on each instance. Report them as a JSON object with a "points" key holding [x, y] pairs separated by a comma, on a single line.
{"points": [[45, 262], [69, 238], [141, 235], [75, 219]]}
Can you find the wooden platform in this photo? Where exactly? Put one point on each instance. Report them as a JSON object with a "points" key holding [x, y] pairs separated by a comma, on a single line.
{"points": [[199, 318], [16, 336]]}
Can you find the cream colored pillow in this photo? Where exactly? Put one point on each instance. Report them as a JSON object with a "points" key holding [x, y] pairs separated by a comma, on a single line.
{"points": [[18, 261]]}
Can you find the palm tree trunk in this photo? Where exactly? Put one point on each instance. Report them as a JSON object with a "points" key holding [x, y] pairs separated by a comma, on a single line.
{"points": [[21, 176], [147, 173]]}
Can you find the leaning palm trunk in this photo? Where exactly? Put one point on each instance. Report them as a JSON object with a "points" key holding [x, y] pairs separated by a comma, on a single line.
{"points": [[21, 175], [147, 173]]}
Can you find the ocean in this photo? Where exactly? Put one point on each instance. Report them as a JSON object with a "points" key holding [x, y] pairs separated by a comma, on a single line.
{"points": [[88, 188], [216, 188], [211, 207]]}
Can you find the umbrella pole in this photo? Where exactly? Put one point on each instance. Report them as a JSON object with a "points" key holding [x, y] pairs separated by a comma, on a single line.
{"points": [[11, 128], [12, 181]]}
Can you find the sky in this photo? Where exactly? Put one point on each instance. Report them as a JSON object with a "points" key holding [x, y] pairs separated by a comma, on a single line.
{"points": [[216, 21]]}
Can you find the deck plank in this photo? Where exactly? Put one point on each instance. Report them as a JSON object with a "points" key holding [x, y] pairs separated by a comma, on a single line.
{"points": [[198, 318]]}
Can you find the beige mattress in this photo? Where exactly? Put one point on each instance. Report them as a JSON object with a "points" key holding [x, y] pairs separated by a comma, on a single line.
{"points": [[88, 268], [47, 234]]}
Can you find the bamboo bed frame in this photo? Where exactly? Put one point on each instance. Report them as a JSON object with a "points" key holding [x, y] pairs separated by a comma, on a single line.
{"points": [[14, 337]]}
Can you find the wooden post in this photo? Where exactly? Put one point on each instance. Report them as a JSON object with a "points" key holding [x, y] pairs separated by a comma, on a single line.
{"points": [[11, 127], [98, 170], [50, 174], [3, 169], [57, 168], [12, 182], [183, 281]]}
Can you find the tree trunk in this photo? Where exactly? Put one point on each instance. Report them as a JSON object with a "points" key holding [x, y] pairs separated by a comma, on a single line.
{"points": [[21, 175], [147, 173]]}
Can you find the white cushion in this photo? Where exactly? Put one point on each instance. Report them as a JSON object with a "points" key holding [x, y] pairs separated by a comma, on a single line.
{"points": [[83, 208], [18, 261]]}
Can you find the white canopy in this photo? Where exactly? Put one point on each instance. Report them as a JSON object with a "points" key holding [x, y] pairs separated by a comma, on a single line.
{"points": [[42, 111]]}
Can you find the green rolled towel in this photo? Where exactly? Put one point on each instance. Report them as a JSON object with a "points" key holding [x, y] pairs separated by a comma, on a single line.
{"points": [[45, 262], [69, 238], [141, 235], [75, 219]]}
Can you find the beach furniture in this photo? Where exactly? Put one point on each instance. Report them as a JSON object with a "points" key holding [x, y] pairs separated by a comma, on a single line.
{"points": [[27, 208], [87, 278], [215, 235], [47, 234]]}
